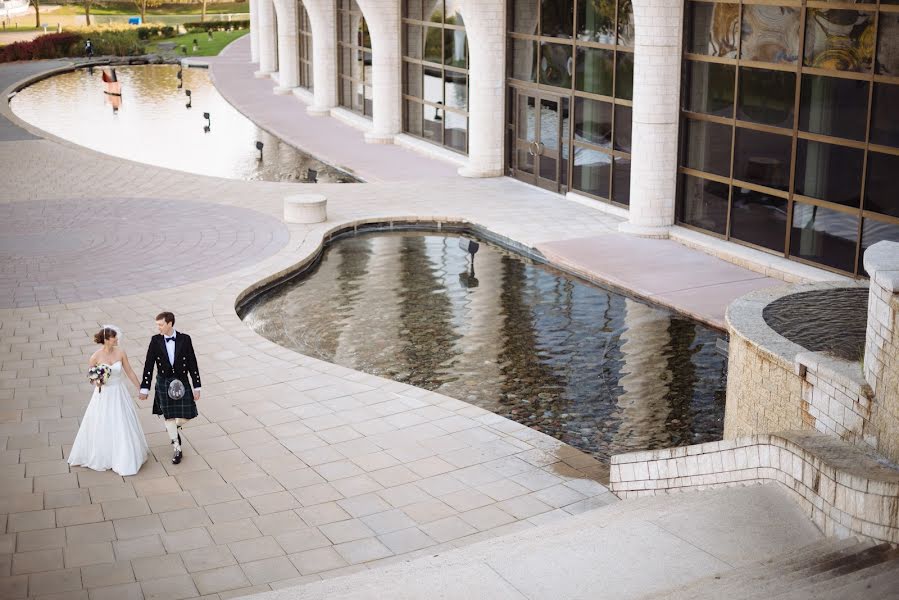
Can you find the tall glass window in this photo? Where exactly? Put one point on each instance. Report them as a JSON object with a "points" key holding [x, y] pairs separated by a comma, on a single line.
{"points": [[305, 46], [435, 72], [583, 51], [354, 59], [789, 140]]}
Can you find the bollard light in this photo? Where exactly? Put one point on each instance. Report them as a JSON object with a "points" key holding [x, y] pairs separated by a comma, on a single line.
{"points": [[259, 149], [190, 101], [208, 126]]}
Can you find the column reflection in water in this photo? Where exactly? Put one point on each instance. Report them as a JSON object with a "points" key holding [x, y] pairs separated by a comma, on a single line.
{"points": [[596, 370]]}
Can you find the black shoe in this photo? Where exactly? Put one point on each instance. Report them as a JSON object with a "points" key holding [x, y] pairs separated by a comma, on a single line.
{"points": [[176, 459]]}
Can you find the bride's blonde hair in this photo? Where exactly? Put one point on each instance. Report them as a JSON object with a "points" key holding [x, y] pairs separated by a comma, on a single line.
{"points": [[104, 334]]}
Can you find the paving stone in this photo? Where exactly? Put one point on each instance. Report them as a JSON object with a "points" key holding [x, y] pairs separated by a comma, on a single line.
{"points": [[171, 502], [66, 498], [128, 507], [37, 561], [215, 494], [89, 554], [523, 507], [244, 592], [187, 539], [269, 570], [302, 540], [466, 499], [256, 549], [220, 580], [448, 529], [141, 547], [281, 522], [204, 559], [234, 531], [388, 521], [169, 588], [428, 510], [133, 527], [26, 521], [317, 561], [230, 511], [128, 591], [105, 493], [277, 502], [98, 576], [186, 518], [158, 567], [157, 487], [406, 540], [54, 582], [316, 494], [346, 531], [404, 495], [362, 550], [40, 539]]}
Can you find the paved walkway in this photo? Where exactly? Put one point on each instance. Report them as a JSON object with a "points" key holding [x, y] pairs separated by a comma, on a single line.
{"points": [[296, 469]]}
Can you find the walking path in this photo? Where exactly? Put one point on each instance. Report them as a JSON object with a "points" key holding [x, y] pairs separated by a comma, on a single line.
{"points": [[296, 469]]}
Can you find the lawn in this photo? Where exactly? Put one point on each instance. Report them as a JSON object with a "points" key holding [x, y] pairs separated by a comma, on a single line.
{"points": [[130, 8], [206, 47]]}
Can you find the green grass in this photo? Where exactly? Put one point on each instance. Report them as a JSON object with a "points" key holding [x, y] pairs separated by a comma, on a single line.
{"points": [[206, 47], [129, 8]]}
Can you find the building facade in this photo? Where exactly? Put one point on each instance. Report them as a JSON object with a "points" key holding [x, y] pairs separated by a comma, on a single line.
{"points": [[767, 124]]}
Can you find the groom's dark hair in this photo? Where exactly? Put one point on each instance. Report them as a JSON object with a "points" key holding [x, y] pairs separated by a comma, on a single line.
{"points": [[167, 317]]}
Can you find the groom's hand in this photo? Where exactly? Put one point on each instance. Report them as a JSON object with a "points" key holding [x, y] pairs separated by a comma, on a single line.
{"points": [[196, 395], [142, 396]]}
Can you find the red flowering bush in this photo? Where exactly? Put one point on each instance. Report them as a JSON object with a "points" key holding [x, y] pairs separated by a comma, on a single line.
{"points": [[52, 45]]}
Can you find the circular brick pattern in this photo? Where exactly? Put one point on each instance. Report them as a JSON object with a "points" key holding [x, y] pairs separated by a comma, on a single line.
{"points": [[61, 251]]}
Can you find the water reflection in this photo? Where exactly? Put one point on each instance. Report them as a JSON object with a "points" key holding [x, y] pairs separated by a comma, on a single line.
{"points": [[594, 369], [153, 125]]}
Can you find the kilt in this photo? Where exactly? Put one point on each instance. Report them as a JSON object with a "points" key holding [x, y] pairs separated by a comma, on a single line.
{"points": [[184, 408]]}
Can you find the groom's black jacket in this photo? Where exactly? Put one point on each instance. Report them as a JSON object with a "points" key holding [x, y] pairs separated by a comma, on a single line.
{"points": [[185, 367]]}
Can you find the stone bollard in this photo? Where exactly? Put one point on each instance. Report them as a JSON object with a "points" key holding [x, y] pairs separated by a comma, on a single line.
{"points": [[305, 208]]}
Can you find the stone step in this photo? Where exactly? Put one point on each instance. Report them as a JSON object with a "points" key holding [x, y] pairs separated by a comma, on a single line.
{"points": [[862, 583]]}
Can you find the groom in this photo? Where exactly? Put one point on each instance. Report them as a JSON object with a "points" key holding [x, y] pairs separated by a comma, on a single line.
{"points": [[172, 353]]}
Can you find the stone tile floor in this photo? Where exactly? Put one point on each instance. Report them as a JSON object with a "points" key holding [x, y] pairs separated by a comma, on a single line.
{"points": [[296, 469]]}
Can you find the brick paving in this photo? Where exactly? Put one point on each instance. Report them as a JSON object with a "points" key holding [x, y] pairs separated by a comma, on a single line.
{"points": [[296, 469]]}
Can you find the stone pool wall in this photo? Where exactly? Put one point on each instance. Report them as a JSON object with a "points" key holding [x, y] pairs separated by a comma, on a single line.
{"points": [[774, 384], [881, 364]]}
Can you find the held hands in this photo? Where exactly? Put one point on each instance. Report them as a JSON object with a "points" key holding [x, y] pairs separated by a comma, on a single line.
{"points": [[142, 396], [196, 395]]}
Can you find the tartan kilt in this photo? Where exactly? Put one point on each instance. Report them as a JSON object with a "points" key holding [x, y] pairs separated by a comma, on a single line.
{"points": [[185, 408]]}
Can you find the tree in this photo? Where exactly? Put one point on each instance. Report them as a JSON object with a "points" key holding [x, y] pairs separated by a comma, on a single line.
{"points": [[203, 15], [142, 7], [37, 12], [87, 12]]}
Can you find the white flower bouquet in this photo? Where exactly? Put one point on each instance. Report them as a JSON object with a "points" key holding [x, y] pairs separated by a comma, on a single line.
{"points": [[99, 375]]}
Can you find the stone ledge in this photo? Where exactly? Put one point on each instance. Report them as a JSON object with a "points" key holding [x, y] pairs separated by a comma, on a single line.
{"points": [[843, 490]]}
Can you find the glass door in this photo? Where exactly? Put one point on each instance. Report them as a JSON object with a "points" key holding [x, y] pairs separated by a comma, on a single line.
{"points": [[537, 139]]}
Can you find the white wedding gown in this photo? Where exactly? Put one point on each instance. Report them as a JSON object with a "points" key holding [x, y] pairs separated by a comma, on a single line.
{"points": [[110, 436]]}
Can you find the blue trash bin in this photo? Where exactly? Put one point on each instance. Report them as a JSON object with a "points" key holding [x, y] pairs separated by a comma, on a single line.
{"points": [[134, 20]]}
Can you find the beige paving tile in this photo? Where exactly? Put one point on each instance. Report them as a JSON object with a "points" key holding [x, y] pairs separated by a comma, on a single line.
{"points": [[7, 543], [133, 527], [257, 486], [320, 514], [256, 549], [346, 531], [302, 540], [40, 539], [365, 504], [99, 576], [14, 588], [46, 467], [204, 559], [157, 567], [54, 582], [244, 592], [503, 489], [317, 561], [157, 486], [140, 547], [277, 502], [88, 478], [523, 507], [170, 502], [404, 495], [269, 570], [363, 550], [37, 561], [169, 588], [89, 554], [406, 540], [117, 491], [448, 529], [79, 515], [186, 518], [187, 539], [428, 510], [26, 521], [230, 511], [220, 580], [279, 522], [338, 469], [234, 531], [486, 517], [128, 507], [216, 494], [128, 591], [66, 498], [201, 479]]}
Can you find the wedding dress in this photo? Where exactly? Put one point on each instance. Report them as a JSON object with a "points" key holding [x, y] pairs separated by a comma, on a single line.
{"points": [[110, 436]]}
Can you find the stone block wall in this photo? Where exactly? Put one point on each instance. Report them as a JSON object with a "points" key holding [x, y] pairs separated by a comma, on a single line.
{"points": [[842, 489]]}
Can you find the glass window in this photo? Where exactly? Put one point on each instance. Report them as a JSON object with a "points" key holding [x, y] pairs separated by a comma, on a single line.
{"points": [[555, 64], [758, 218], [824, 236], [712, 29], [453, 13], [874, 231], [556, 18], [455, 48], [412, 9], [592, 171], [833, 106], [884, 121], [596, 21], [433, 45], [888, 44], [593, 122], [707, 147], [621, 180], [456, 131], [622, 128], [709, 88], [455, 90], [762, 158], [412, 79], [829, 172], [770, 34], [767, 97], [524, 16], [433, 85], [594, 71], [524, 60], [412, 120], [624, 75], [880, 189], [626, 32], [839, 39], [704, 204], [413, 41], [433, 123]]}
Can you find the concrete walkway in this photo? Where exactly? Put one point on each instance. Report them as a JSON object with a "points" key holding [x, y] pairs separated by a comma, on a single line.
{"points": [[296, 469]]}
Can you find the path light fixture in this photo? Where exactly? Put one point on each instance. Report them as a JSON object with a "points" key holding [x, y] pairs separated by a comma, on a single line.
{"points": [[208, 125], [311, 176], [190, 101], [259, 149], [471, 247]]}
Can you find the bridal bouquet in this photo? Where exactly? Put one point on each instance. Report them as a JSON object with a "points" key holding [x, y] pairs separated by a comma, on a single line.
{"points": [[99, 375]]}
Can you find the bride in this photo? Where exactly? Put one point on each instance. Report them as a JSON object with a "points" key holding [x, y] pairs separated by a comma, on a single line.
{"points": [[110, 436]]}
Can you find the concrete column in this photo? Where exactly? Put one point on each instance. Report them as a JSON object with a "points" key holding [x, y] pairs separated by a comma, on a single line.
{"points": [[254, 31], [383, 18], [288, 46], [657, 66], [323, 21], [268, 38], [485, 25], [882, 334]]}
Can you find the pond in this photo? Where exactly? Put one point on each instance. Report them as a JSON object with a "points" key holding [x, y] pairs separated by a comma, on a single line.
{"points": [[594, 369], [153, 125]]}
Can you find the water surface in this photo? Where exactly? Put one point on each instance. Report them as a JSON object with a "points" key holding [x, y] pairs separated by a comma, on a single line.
{"points": [[594, 369], [153, 125]]}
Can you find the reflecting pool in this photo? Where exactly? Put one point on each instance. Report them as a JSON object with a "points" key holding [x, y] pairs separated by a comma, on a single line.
{"points": [[594, 369], [153, 125]]}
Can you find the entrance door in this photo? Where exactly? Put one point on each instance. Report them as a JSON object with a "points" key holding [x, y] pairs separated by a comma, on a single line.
{"points": [[538, 139]]}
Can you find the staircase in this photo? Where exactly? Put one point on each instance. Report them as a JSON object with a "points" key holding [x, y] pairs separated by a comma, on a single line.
{"points": [[826, 570]]}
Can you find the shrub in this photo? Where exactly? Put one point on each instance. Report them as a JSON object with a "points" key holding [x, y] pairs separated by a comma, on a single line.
{"points": [[117, 43], [52, 45], [146, 32], [197, 27]]}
